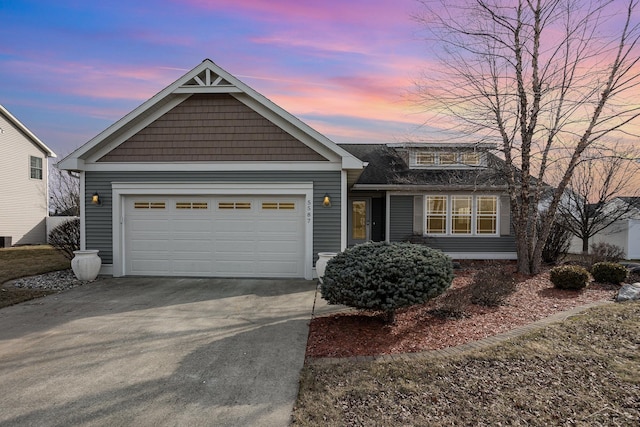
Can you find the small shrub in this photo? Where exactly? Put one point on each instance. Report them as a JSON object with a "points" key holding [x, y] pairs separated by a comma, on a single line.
{"points": [[452, 304], [66, 237], [609, 272], [605, 252], [571, 277], [386, 276], [558, 242], [492, 285]]}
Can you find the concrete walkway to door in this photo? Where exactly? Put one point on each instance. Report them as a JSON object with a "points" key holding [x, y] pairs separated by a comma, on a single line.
{"points": [[156, 352]]}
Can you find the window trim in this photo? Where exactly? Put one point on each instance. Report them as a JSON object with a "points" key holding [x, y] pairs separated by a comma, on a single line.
{"points": [[33, 168], [474, 217]]}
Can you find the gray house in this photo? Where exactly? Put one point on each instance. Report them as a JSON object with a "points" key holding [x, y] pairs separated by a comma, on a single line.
{"points": [[24, 196], [450, 197], [210, 178]]}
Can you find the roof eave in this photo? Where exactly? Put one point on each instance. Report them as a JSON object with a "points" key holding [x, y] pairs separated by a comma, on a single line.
{"points": [[48, 151], [426, 187]]}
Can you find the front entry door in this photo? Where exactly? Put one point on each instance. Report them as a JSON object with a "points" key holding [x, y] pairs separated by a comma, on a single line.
{"points": [[359, 221]]}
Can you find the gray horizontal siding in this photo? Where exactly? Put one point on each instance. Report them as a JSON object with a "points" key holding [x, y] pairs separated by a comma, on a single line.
{"points": [[326, 221], [400, 218], [471, 244]]}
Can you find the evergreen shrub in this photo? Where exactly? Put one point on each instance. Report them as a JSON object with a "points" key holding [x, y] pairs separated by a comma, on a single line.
{"points": [[609, 272], [384, 276], [570, 277]]}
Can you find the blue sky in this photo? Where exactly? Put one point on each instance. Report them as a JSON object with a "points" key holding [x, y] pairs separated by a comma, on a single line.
{"points": [[69, 69]]}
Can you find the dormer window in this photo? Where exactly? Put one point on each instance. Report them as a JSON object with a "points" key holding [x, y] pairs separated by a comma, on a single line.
{"points": [[425, 158], [470, 158], [446, 159]]}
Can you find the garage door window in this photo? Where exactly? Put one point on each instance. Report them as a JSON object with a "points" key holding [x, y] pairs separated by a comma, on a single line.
{"points": [[234, 205], [278, 205], [192, 205], [149, 205]]}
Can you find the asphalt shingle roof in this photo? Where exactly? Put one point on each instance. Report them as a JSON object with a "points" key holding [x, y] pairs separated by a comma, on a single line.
{"points": [[387, 167]]}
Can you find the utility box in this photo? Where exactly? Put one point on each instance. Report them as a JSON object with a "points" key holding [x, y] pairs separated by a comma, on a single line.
{"points": [[5, 241]]}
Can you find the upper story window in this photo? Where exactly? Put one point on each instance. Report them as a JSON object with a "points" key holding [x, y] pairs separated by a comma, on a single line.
{"points": [[425, 159], [35, 167], [446, 158]]}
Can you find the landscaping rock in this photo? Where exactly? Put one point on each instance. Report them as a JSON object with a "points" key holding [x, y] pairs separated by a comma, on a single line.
{"points": [[629, 293]]}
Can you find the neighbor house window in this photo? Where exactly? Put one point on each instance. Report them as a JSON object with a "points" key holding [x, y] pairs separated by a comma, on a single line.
{"points": [[35, 167], [447, 158], [461, 215], [436, 214]]}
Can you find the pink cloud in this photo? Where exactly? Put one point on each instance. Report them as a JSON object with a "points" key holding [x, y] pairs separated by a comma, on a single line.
{"points": [[106, 81]]}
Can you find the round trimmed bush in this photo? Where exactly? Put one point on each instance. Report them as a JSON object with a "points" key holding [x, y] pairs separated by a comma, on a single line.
{"points": [[609, 272], [572, 277], [386, 276]]}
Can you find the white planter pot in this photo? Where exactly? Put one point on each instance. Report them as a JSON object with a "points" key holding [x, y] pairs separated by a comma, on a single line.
{"points": [[86, 264], [321, 264]]}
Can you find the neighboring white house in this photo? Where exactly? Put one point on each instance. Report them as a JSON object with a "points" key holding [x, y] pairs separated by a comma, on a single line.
{"points": [[624, 233], [24, 195]]}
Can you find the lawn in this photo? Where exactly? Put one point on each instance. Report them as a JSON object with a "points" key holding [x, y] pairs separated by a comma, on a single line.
{"points": [[583, 371], [26, 261]]}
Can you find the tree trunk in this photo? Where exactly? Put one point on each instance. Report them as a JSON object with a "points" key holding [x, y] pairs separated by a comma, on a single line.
{"points": [[523, 253], [585, 245]]}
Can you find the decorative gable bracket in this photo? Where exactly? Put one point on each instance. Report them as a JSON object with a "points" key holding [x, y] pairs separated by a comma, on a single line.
{"points": [[207, 82]]}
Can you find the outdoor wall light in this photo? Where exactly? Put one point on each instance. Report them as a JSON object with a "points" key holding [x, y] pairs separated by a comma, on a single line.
{"points": [[326, 201], [95, 199]]}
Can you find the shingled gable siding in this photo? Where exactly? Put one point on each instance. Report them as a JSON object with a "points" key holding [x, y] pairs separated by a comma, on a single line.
{"points": [[326, 221], [211, 127], [401, 228]]}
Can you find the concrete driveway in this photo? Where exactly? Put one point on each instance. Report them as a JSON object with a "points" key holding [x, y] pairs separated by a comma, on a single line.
{"points": [[156, 351]]}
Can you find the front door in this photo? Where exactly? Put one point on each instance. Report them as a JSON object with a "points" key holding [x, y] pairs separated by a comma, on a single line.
{"points": [[359, 220]]}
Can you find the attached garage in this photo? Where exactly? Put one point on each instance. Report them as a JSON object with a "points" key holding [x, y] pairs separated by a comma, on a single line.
{"points": [[210, 178], [229, 236]]}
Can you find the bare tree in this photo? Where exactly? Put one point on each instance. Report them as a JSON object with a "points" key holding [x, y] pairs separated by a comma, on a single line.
{"points": [[544, 79], [588, 207], [64, 193]]}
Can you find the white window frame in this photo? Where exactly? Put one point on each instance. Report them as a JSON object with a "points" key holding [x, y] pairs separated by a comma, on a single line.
{"points": [[474, 215], [33, 168]]}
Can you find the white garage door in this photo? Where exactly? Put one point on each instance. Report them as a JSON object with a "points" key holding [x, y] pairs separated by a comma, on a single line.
{"points": [[244, 236]]}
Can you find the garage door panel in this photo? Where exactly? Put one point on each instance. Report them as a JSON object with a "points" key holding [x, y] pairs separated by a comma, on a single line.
{"points": [[150, 267], [194, 236], [150, 246], [189, 267], [278, 267], [235, 226], [195, 246]]}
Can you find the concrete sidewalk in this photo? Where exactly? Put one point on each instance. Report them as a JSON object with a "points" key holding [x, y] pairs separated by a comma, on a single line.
{"points": [[156, 351]]}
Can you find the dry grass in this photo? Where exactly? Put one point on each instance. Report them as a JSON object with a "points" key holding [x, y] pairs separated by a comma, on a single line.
{"points": [[582, 371], [26, 261]]}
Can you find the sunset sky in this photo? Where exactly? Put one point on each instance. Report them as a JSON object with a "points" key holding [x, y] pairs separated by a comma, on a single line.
{"points": [[69, 68]]}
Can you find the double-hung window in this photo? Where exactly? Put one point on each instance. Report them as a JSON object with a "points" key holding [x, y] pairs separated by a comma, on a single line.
{"points": [[461, 215], [436, 215], [35, 167]]}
